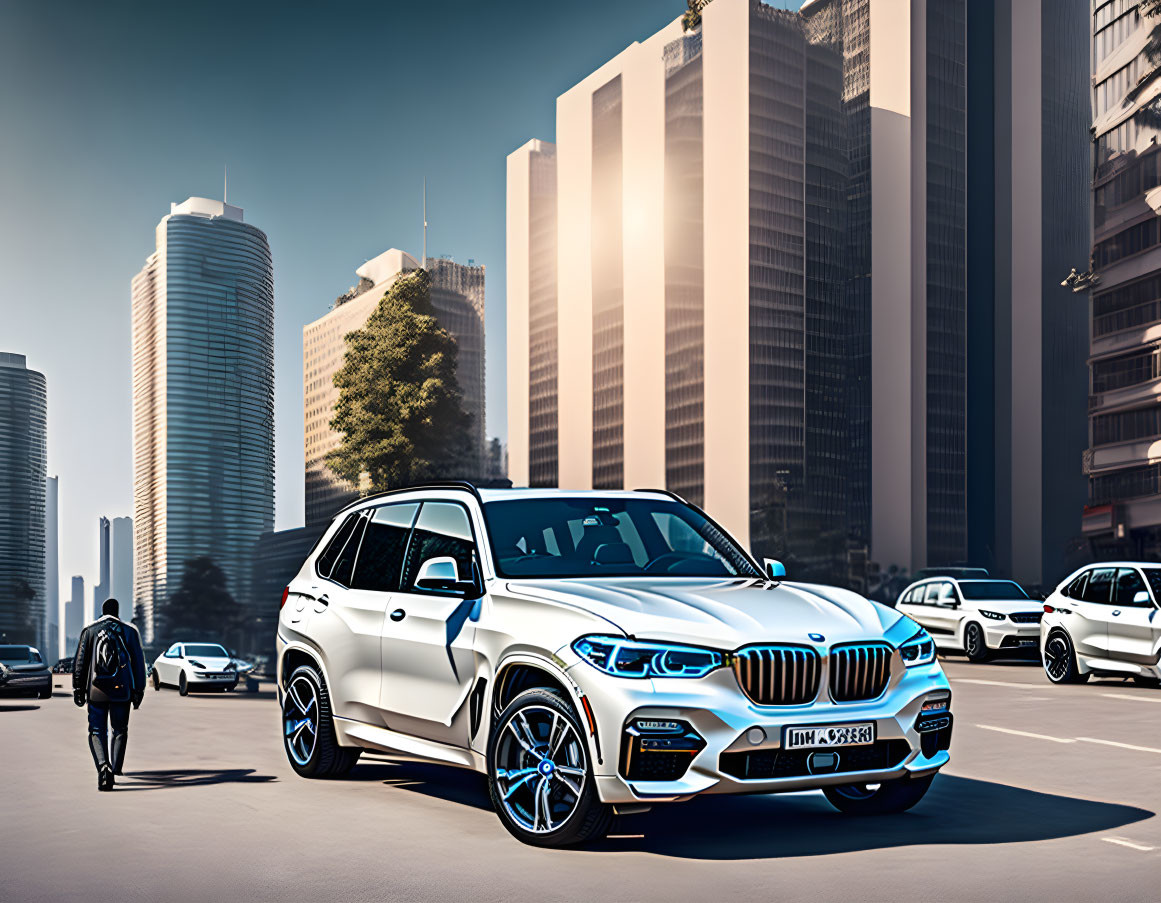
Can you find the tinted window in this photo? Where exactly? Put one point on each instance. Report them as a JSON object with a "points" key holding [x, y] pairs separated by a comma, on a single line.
{"points": [[991, 589], [15, 655], [334, 548], [1075, 590], [208, 650], [384, 542], [1100, 585], [947, 596], [443, 529], [593, 536], [931, 593], [1129, 583], [345, 564], [1153, 575]]}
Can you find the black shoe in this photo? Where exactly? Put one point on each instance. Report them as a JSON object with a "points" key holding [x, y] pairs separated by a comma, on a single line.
{"points": [[105, 778]]}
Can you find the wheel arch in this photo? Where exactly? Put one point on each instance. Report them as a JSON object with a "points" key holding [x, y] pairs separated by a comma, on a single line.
{"points": [[296, 654]]}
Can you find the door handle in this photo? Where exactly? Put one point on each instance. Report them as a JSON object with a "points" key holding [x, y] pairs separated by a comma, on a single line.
{"points": [[1117, 612], [398, 615]]}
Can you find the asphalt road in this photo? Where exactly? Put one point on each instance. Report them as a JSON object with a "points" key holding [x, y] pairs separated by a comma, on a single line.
{"points": [[1051, 795]]}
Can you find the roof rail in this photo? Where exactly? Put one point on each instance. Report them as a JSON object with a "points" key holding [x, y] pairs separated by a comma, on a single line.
{"points": [[670, 493], [435, 484]]}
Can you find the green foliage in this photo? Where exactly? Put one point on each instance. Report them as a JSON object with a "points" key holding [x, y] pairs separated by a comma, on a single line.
{"points": [[400, 408], [201, 609]]}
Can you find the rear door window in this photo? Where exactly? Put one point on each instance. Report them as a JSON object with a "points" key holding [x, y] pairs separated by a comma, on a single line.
{"points": [[380, 561], [1129, 584], [1100, 586]]}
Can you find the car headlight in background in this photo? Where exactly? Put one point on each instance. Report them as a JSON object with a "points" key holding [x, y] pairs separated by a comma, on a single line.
{"points": [[919, 650], [993, 615], [622, 657]]}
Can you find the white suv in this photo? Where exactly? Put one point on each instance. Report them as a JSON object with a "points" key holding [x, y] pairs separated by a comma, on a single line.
{"points": [[980, 617], [594, 652], [1104, 619]]}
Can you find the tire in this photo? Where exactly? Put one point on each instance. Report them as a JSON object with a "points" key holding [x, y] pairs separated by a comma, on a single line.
{"points": [[45, 693], [232, 687], [322, 758], [974, 644], [1150, 682], [888, 798], [156, 680], [1059, 660], [519, 781], [182, 684]]}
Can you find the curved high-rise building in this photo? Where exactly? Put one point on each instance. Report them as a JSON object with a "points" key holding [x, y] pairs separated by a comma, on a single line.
{"points": [[203, 400], [23, 468]]}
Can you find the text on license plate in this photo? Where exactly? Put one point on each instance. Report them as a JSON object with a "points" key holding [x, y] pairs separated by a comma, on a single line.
{"points": [[829, 735]]}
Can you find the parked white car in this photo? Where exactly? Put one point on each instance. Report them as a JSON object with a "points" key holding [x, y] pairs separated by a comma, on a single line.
{"points": [[977, 617], [597, 652], [1104, 619], [196, 666]]}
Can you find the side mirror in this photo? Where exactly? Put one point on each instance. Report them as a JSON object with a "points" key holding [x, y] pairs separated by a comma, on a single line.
{"points": [[775, 569], [442, 575], [1141, 598]]}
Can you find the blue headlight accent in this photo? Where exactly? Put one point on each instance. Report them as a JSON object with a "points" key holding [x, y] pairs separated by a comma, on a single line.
{"points": [[623, 657], [919, 650]]}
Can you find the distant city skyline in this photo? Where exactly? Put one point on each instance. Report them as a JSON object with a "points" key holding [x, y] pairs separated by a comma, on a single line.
{"points": [[96, 142]]}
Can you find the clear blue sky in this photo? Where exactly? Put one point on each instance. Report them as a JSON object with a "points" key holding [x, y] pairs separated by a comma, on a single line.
{"points": [[329, 116]]}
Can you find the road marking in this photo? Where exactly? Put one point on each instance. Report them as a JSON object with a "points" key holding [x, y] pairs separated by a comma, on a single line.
{"points": [[1121, 745], [1121, 842], [1130, 696], [994, 683], [1008, 730]]}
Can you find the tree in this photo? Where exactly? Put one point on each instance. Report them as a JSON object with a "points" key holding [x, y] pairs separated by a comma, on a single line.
{"points": [[201, 608], [400, 408]]}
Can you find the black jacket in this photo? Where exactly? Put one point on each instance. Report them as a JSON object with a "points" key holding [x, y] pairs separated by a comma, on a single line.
{"points": [[82, 662]]}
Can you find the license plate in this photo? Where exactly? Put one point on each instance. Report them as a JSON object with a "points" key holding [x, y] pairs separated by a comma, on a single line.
{"points": [[1032, 641], [829, 736]]}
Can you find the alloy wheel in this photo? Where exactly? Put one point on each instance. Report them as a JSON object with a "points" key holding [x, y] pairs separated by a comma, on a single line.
{"points": [[300, 719], [540, 768], [1057, 657], [974, 641]]}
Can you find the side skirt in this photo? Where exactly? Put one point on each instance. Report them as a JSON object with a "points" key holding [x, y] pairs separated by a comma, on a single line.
{"points": [[369, 736]]}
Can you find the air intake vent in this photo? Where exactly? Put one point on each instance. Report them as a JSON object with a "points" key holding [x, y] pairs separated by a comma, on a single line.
{"points": [[778, 675], [859, 671], [1027, 617]]}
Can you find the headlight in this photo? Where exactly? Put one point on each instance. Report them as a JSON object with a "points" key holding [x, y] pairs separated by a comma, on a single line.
{"points": [[627, 658], [994, 615], [919, 650]]}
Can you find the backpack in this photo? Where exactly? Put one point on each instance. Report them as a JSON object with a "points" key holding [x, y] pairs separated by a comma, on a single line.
{"points": [[111, 672]]}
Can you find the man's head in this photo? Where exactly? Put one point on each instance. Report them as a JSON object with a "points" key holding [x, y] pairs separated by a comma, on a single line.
{"points": [[111, 607]]}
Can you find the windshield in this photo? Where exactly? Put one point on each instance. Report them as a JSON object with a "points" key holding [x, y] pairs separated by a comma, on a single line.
{"points": [[206, 651], [15, 655], [991, 589], [609, 537]]}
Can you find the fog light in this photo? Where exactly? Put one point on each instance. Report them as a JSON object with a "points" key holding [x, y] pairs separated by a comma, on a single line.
{"points": [[650, 726], [755, 735], [936, 702]]}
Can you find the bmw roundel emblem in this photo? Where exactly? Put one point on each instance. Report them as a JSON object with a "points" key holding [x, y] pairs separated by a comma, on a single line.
{"points": [[817, 637]]}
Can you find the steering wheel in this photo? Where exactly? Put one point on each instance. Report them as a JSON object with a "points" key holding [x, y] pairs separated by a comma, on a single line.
{"points": [[664, 562]]}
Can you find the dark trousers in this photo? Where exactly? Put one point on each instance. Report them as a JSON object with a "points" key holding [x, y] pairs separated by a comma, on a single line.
{"points": [[101, 714]]}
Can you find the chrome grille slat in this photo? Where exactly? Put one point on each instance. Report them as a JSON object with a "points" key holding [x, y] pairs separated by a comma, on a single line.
{"points": [[778, 675], [859, 671]]}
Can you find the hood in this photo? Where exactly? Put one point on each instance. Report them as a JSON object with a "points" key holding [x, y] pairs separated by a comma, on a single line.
{"points": [[721, 614], [1005, 606], [210, 662]]}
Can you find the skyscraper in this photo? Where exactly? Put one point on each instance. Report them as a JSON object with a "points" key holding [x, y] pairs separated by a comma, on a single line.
{"points": [[203, 399], [121, 564], [101, 590], [457, 296], [1124, 515], [74, 616], [23, 465], [774, 291], [50, 644]]}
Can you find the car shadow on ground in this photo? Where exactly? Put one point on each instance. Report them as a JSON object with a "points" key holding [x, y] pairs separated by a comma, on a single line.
{"points": [[190, 777], [18, 708], [455, 785], [955, 811], [770, 826]]}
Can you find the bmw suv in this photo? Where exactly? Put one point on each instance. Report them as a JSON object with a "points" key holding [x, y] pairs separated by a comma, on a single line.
{"points": [[596, 653]]}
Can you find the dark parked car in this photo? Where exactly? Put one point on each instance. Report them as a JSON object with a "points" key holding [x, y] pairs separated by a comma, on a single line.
{"points": [[23, 672], [63, 666]]}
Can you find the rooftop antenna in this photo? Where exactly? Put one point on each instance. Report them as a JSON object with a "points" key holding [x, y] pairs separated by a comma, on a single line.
{"points": [[225, 184], [425, 222]]}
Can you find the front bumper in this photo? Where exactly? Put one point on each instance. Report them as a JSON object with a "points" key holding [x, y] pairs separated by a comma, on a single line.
{"points": [[214, 678], [1008, 636], [19, 684], [720, 714]]}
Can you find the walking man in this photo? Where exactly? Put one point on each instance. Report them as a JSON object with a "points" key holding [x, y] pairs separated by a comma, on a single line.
{"points": [[109, 674]]}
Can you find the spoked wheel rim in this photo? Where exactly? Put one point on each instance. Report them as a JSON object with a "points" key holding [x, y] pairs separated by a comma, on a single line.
{"points": [[974, 640], [300, 720], [540, 768], [1056, 657]]}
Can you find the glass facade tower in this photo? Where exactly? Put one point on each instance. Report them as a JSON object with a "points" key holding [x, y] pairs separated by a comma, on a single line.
{"points": [[23, 472], [203, 386]]}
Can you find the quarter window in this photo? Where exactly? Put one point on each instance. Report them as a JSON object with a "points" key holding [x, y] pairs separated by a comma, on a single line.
{"points": [[442, 529], [334, 548], [384, 543], [1075, 590]]}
